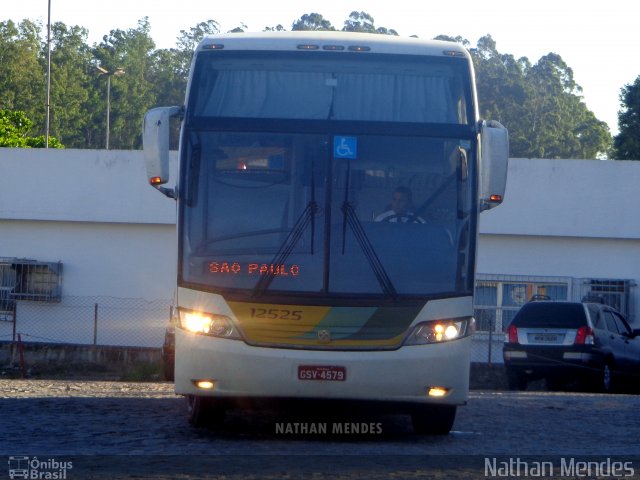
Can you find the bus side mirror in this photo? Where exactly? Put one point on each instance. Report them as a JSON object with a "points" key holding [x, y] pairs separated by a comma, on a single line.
{"points": [[155, 141], [494, 140]]}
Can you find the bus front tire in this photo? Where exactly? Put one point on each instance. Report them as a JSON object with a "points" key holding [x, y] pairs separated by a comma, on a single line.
{"points": [[433, 419], [203, 412]]}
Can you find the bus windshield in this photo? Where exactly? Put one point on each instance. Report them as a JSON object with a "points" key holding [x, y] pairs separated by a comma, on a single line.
{"points": [[319, 207]]}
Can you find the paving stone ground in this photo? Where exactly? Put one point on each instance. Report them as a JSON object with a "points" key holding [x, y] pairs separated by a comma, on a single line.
{"points": [[139, 430]]}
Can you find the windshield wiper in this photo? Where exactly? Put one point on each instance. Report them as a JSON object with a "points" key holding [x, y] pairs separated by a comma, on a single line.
{"points": [[379, 271], [306, 218], [350, 218]]}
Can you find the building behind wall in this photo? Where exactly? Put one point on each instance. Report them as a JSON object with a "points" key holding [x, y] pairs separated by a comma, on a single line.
{"points": [[567, 229]]}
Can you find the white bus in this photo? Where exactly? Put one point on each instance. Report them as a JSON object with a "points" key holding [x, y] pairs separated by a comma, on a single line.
{"points": [[328, 200]]}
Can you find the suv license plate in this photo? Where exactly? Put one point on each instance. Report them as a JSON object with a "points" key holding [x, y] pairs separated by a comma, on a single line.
{"points": [[331, 373], [545, 337]]}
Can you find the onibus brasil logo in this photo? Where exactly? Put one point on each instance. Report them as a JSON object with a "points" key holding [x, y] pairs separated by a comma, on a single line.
{"points": [[34, 468]]}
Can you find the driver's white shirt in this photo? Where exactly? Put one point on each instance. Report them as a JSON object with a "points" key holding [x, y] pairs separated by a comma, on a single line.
{"points": [[392, 217]]}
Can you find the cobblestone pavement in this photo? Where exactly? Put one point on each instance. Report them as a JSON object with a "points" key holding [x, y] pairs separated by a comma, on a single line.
{"points": [[139, 430]]}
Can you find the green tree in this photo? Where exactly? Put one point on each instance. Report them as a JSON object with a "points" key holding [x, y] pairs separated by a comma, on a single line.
{"points": [[627, 142], [132, 94], [71, 83], [239, 29], [539, 103], [363, 22], [189, 40], [560, 124], [14, 127], [170, 68], [312, 22], [168, 77], [502, 89], [22, 80], [277, 28], [458, 39], [14, 132]]}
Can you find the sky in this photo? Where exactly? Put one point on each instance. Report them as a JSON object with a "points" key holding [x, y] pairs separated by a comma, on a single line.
{"points": [[597, 40]]}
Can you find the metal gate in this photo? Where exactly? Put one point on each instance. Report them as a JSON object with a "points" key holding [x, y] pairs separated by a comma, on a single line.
{"points": [[8, 284]]}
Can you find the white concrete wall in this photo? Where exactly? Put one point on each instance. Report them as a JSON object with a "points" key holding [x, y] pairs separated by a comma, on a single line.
{"points": [[107, 186], [559, 256], [114, 234], [568, 198]]}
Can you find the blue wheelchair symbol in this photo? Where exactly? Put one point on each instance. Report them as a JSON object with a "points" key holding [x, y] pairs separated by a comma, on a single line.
{"points": [[345, 147]]}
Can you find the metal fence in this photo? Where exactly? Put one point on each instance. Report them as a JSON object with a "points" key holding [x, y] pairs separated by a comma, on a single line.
{"points": [[114, 321], [136, 322]]}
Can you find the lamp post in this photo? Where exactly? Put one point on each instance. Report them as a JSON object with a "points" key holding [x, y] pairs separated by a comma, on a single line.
{"points": [[109, 74], [47, 126]]}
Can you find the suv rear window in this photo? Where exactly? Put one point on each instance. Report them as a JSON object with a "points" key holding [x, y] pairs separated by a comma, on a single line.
{"points": [[550, 314]]}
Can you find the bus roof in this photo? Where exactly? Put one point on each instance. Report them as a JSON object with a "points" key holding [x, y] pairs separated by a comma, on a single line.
{"points": [[332, 41]]}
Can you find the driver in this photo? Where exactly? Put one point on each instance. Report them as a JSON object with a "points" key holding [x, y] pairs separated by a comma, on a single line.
{"points": [[401, 203]]}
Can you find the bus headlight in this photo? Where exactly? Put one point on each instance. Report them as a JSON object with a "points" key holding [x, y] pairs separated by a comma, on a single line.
{"points": [[438, 331], [208, 324]]}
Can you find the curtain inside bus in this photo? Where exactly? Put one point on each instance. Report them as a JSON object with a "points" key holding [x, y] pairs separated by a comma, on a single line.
{"points": [[336, 96]]}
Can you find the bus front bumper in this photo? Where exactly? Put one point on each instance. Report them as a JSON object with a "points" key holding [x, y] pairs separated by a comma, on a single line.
{"points": [[436, 373]]}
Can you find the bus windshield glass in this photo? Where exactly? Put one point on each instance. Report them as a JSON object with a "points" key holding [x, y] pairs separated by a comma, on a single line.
{"points": [[318, 207]]}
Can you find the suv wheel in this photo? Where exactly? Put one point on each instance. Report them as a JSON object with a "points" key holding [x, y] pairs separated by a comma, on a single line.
{"points": [[516, 381], [607, 380], [555, 384]]}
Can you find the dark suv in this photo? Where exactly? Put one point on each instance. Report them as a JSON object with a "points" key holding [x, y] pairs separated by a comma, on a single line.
{"points": [[566, 341]]}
